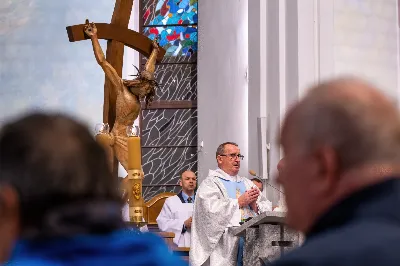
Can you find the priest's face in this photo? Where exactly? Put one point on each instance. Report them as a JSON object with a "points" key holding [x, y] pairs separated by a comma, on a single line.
{"points": [[188, 182], [229, 162]]}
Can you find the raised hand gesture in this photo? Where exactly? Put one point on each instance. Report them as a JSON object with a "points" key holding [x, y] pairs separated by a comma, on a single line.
{"points": [[249, 197], [90, 28]]}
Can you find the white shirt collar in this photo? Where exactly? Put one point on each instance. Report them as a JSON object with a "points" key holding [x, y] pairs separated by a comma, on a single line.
{"points": [[222, 174]]}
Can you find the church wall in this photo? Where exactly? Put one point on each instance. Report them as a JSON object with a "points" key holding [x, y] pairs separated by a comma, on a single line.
{"points": [[282, 60], [40, 69], [366, 41], [222, 82], [296, 44]]}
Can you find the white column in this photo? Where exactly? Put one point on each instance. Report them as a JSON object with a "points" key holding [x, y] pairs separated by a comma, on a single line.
{"points": [[326, 38], [276, 71], [257, 86], [297, 59], [222, 80]]}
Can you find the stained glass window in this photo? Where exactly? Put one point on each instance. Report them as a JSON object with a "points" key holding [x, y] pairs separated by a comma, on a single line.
{"points": [[169, 131], [165, 166], [178, 82], [175, 24], [169, 12], [169, 127], [176, 40]]}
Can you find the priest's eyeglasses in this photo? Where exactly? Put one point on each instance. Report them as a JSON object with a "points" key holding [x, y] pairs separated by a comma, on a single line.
{"points": [[233, 156]]}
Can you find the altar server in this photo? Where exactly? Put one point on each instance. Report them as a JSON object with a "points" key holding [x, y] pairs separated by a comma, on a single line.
{"points": [[176, 214]]}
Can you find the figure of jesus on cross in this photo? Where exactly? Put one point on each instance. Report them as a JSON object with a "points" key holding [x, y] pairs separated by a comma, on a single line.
{"points": [[129, 93], [122, 98]]}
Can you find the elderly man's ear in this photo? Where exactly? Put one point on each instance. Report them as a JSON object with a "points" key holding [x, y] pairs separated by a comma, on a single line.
{"points": [[9, 221], [9, 202]]}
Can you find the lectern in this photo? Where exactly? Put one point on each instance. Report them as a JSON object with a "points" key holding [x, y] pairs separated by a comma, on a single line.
{"points": [[266, 238]]}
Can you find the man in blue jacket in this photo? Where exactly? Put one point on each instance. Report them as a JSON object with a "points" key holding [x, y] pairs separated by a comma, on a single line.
{"points": [[59, 204], [341, 176]]}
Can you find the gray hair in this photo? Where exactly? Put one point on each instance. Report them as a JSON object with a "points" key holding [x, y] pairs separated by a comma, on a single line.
{"points": [[221, 148], [360, 129]]}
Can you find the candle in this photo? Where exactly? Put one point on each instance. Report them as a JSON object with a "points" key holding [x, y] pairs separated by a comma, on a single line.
{"points": [[106, 141], [134, 153]]}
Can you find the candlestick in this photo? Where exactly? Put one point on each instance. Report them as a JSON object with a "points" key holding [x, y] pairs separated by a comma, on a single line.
{"points": [[135, 176], [134, 153], [135, 197], [134, 148]]}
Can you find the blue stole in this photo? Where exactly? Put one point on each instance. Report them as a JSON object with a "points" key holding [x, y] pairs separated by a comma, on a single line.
{"points": [[233, 188]]}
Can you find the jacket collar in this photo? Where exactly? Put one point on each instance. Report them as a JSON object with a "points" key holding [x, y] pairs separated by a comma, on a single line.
{"points": [[183, 197], [374, 201]]}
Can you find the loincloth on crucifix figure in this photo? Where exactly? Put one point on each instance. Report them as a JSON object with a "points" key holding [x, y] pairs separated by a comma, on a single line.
{"points": [[129, 94]]}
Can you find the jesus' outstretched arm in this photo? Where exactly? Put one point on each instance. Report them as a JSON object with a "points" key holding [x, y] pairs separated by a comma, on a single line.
{"points": [[112, 75]]}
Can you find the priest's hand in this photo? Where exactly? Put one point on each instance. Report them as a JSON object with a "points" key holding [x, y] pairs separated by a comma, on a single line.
{"points": [[253, 206], [248, 197], [188, 222]]}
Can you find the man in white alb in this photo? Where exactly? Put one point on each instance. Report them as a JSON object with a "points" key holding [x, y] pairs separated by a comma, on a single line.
{"points": [[176, 214], [223, 200]]}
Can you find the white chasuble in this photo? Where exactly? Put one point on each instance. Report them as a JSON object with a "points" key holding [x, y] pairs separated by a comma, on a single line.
{"points": [[216, 212], [172, 217]]}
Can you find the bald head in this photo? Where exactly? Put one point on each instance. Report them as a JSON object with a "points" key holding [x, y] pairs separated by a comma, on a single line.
{"points": [[188, 173], [188, 182], [332, 139], [352, 117]]}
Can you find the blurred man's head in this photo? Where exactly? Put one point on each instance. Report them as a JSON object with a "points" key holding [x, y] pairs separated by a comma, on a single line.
{"points": [[229, 157], [258, 183], [334, 141], [188, 182], [53, 178]]}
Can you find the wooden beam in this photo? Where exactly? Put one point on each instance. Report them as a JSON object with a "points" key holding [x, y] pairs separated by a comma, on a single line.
{"points": [[115, 56], [128, 37]]}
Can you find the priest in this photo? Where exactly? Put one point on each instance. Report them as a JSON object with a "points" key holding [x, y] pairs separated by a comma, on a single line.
{"points": [[176, 214], [223, 201]]}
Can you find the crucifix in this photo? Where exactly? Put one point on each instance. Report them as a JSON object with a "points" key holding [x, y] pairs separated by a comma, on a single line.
{"points": [[122, 97]]}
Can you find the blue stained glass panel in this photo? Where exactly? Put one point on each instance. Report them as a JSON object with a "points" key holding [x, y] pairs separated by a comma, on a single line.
{"points": [[176, 40], [169, 12]]}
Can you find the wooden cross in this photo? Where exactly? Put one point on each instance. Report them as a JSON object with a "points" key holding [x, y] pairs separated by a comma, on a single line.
{"points": [[117, 35]]}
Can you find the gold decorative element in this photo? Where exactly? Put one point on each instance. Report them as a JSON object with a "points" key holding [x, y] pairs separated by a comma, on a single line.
{"points": [[136, 191], [135, 174], [137, 211], [134, 187]]}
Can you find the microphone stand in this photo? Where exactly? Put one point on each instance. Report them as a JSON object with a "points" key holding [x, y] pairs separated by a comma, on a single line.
{"points": [[259, 177]]}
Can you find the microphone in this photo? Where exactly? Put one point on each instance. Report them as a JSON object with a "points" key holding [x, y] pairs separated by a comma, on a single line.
{"points": [[253, 173]]}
